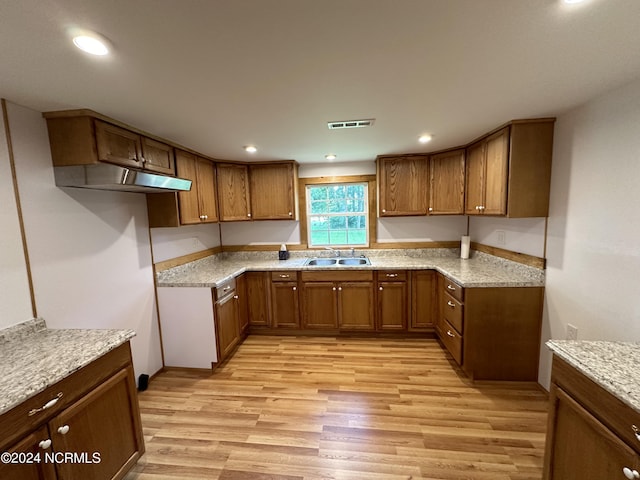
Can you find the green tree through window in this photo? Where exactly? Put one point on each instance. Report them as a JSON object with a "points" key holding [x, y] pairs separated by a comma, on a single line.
{"points": [[337, 214]]}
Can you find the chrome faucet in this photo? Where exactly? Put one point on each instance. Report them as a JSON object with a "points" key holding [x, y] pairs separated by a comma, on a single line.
{"points": [[336, 252], [353, 252]]}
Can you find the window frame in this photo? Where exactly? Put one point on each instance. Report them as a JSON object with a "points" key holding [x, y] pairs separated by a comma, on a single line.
{"points": [[370, 210]]}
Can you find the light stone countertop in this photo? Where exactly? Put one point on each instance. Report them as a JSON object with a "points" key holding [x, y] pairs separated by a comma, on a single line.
{"points": [[33, 357], [612, 365], [479, 271]]}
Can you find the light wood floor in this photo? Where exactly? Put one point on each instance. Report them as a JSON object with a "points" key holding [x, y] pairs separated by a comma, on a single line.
{"points": [[323, 408]]}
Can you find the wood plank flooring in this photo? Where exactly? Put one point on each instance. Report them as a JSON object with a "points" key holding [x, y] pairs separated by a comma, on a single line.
{"points": [[292, 408]]}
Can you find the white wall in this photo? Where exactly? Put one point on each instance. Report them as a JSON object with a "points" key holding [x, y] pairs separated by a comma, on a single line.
{"points": [[421, 229], [593, 240], [89, 250], [15, 301], [522, 235], [175, 242]]}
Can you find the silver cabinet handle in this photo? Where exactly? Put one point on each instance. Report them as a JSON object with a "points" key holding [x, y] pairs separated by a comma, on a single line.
{"points": [[49, 404], [339, 289], [63, 430], [380, 288], [283, 276], [431, 209], [636, 432], [236, 297], [450, 334], [334, 289], [451, 304], [384, 211], [45, 444], [248, 214], [227, 288], [295, 288], [392, 275], [290, 214], [451, 287], [630, 474]]}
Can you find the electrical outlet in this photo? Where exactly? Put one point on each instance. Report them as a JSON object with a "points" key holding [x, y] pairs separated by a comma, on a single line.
{"points": [[501, 237], [572, 332]]}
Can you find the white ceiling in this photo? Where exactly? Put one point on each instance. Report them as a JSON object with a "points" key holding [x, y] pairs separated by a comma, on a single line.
{"points": [[215, 75]]}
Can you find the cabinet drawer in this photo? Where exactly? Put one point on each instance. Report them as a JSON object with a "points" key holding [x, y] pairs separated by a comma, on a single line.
{"points": [[17, 422], [452, 341], [612, 412], [453, 289], [335, 276], [452, 311], [392, 276], [288, 276], [224, 289]]}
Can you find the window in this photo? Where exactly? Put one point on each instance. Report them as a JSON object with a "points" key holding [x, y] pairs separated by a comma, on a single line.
{"points": [[337, 214]]}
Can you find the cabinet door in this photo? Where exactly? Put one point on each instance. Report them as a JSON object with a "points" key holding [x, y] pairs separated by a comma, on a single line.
{"points": [[105, 423], [446, 192], [320, 306], [403, 186], [189, 206], [117, 145], [423, 299], [582, 447], [243, 310], [356, 306], [285, 309], [474, 179], [272, 192], [30, 445], [258, 299], [158, 156], [496, 171], [227, 331], [233, 192], [392, 305], [207, 197]]}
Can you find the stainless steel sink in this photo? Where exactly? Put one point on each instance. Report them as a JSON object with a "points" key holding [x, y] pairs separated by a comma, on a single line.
{"points": [[327, 262], [321, 262], [354, 261]]}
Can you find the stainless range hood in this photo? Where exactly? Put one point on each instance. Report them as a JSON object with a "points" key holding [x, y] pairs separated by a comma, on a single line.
{"points": [[105, 176]]}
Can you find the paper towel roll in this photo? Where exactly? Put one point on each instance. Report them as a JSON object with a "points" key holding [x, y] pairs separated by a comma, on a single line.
{"points": [[465, 244], [283, 248]]}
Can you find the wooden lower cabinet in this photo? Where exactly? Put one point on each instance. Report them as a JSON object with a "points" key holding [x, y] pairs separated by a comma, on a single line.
{"points": [[285, 308], [227, 326], [243, 308], [320, 305], [258, 299], [96, 419], [423, 300], [392, 306], [590, 432], [492, 333], [356, 306]]}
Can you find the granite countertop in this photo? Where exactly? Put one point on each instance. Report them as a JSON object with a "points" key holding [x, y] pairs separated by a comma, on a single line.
{"points": [[33, 357], [479, 271], [612, 365]]}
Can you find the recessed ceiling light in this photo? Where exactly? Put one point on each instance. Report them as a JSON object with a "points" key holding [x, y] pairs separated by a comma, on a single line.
{"points": [[331, 156], [250, 148], [424, 138], [91, 42]]}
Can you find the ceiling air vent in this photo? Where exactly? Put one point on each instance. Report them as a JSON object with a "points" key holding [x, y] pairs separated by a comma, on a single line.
{"points": [[351, 124]]}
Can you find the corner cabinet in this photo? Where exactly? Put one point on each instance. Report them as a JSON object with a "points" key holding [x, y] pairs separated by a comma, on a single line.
{"points": [[402, 185], [274, 191], [508, 173], [492, 333], [234, 199], [590, 433], [95, 415]]}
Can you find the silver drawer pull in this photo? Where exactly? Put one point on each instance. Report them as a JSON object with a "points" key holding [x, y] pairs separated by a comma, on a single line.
{"points": [[450, 334], [392, 275], [63, 430], [284, 276], [44, 444], [451, 304], [630, 474], [49, 404], [227, 288], [451, 287], [636, 431]]}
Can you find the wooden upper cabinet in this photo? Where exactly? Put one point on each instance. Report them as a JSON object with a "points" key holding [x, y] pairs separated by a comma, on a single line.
{"points": [[273, 191], [402, 185], [158, 156], [83, 137], [233, 192], [446, 183], [508, 173], [197, 205], [117, 145]]}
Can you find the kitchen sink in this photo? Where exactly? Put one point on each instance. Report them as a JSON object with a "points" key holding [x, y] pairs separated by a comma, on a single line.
{"points": [[327, 262], [321, 262], [354, 261]]}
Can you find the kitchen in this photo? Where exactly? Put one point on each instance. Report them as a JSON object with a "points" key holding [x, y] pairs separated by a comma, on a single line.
{"points": [[87, 248]]}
